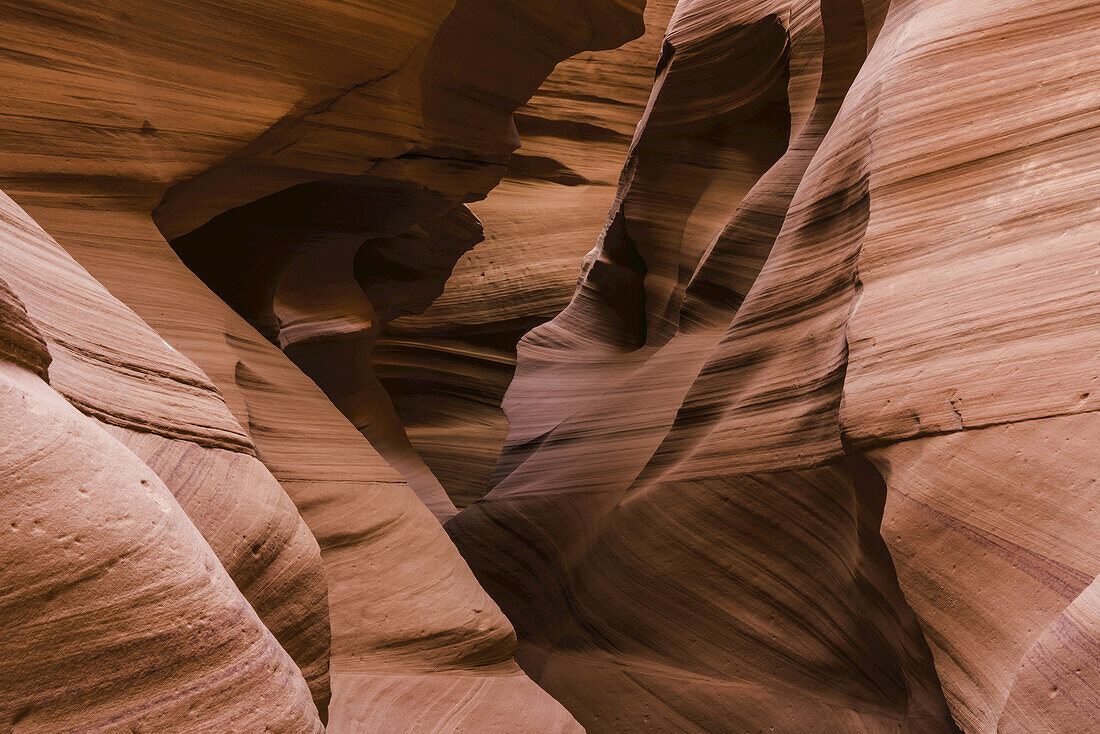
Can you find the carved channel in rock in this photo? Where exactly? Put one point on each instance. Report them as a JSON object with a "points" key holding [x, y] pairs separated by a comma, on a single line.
{"points": [[321, 267]]}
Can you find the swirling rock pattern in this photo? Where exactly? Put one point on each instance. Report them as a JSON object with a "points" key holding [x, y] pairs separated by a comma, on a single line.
{"points": [[816, 326], [446, 369], [117, 614], [809, 448], [200, 110], [333, 191], [113, 367], [116, 609]]}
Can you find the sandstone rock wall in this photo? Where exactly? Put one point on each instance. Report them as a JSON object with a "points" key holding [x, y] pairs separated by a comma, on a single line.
{"points": [[117, 612], [446, 369], [207, 110], [809, 447], [870, 297]]}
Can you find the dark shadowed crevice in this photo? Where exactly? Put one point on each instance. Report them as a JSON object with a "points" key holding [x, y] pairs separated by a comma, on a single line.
{"points": [[320, 268]]}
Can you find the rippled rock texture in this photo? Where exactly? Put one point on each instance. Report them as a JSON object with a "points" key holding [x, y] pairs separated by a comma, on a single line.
{"points": [[847, 284], [809, 446], [292, 576]]}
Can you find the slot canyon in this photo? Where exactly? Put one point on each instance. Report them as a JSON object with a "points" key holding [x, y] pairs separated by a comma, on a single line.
{"points": [[550, 366]]}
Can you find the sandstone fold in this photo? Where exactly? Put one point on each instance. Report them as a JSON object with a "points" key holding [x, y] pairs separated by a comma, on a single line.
{"points": [[821, 337], [20, 341], [118, 614], [651, 450], [311, 111], [164, 409], [310, 422], [446, 369], [349, 214], [264, 545]]}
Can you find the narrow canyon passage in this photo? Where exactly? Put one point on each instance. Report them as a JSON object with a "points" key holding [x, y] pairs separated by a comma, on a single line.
{"points": [[406, 308], [573, 365]]}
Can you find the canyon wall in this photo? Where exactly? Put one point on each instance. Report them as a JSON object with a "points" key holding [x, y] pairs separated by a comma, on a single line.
{"points": [[356, 124], [847, 281], [805, 448], [446, 369]]}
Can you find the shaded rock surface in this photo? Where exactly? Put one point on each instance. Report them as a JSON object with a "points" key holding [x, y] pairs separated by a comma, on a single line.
{"points": [[446, 369], [313, 213], [807, 447], [206, 110], [830, 295]]}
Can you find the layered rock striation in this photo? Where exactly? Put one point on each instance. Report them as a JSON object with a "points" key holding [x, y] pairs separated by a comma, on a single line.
{"points": [[807, 447], [195, 116], [826, 300], [446, 368]]}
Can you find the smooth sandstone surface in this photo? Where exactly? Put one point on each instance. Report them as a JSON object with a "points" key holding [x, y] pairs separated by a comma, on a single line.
{"points": [[95, 136], [117, 614], [108, 363], [809, 445], [883, 316]]}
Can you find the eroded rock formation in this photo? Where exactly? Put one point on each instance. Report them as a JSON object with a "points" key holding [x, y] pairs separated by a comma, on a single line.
{"points": [[351, 211], [117, 611], [795, 336], [446, 369], [205, 110], [808, 448]]}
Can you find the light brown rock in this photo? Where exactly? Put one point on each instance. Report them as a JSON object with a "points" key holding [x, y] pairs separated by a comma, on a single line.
{"points": [[888, 320], [117, 615], [808, 450], [112, 366], [228, 103]]}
